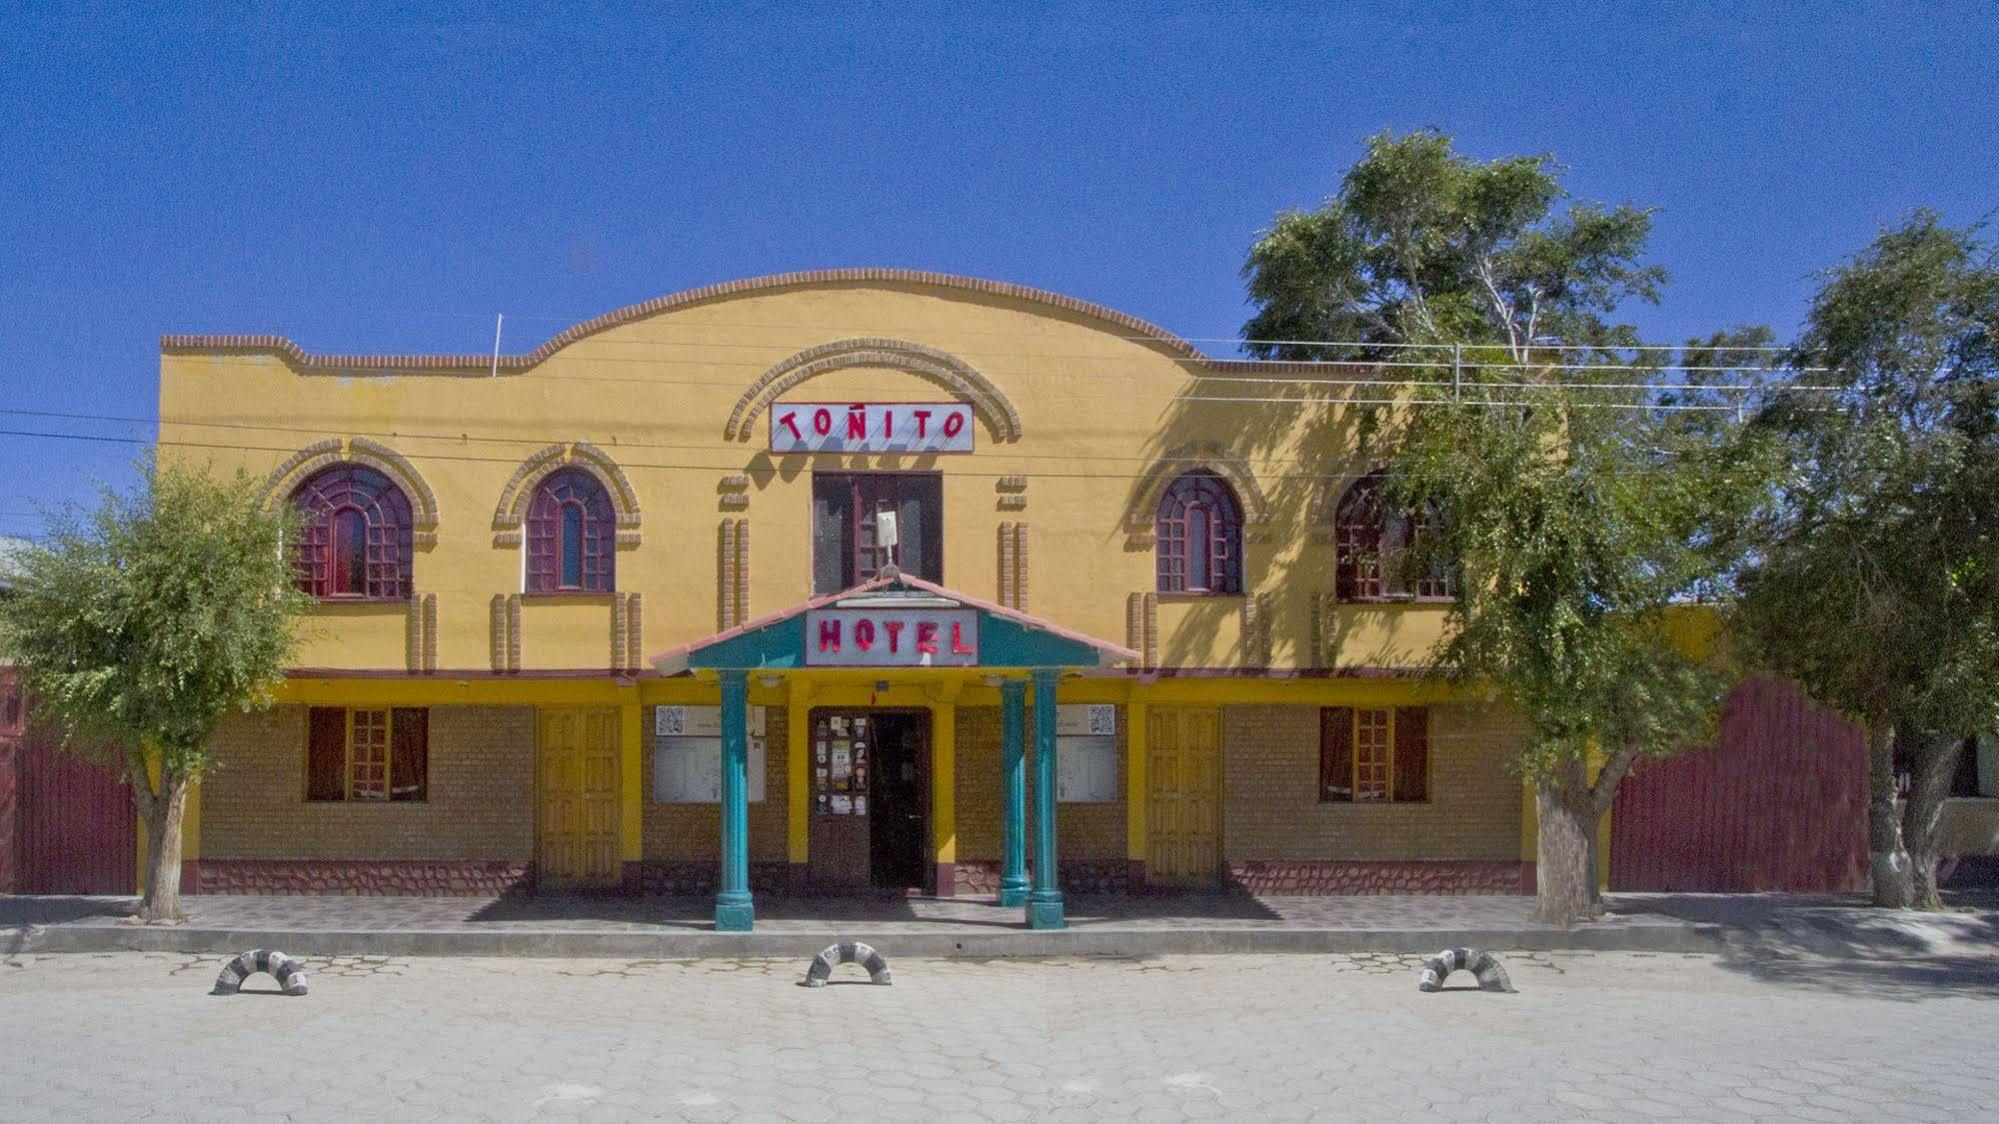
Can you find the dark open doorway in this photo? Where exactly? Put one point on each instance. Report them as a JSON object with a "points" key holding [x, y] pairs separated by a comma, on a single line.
{"points": [[870, 799]]}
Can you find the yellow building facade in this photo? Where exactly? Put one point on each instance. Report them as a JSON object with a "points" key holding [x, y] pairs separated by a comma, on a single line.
{"points": [[528, 566]]}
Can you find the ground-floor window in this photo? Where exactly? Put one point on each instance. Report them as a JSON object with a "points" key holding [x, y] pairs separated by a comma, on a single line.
{"points": [[368, 755], [1374, 754]]}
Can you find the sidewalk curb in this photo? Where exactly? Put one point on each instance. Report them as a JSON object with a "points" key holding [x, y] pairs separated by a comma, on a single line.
{"points": [[696, 944]]}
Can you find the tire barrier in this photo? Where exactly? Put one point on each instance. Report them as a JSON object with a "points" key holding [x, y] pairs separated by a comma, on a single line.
{"points": [[848, 952], [288, 972], [1484, 965]]}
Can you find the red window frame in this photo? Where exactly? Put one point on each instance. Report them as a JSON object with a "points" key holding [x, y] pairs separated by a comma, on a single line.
{"points": [[356, 543], [1366, 544], [1199, 533], [570, 520]]}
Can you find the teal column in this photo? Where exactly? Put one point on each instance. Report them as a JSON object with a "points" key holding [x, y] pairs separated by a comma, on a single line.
{"points": [[734, 910], [1013, 792], [1044, 904]]}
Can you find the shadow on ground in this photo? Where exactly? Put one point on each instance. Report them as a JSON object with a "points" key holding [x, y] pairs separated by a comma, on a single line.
{"points": [[1839, 944]]}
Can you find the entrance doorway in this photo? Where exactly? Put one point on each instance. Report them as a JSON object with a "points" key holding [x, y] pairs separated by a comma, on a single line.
{"points": [[870, 799], [576, 797], [1183, 791]]}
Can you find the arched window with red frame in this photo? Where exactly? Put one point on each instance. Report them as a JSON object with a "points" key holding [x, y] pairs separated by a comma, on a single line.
{"points": [[1369, 541], [572, 535], [1200, 536], [356, 541]]}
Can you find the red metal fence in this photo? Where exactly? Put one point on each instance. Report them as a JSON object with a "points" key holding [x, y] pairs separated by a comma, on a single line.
{"points": [[1779, 803], [76, 827]]}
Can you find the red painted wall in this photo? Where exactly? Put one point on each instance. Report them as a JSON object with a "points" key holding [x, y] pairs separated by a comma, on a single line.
{"points": [[1778, 803]]}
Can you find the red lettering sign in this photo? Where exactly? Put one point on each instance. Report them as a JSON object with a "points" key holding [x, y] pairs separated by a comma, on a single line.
{"points": [[953, 423], [922, 423], [790, 421], [822, 421], [894, 630], [926, 637], [958, 647], [857, 423], [864, 634], [829, 634]]}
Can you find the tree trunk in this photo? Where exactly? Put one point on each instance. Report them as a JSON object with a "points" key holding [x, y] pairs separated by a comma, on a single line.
{"points": [[1888, 864], [1922, 814], [1565, 856], [162, 811]]}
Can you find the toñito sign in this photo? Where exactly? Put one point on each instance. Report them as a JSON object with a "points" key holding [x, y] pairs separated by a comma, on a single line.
{"points": [[892, 638], [871, 427]]}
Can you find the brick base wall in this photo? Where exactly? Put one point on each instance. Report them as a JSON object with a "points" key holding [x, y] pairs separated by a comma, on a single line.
{"points": [[1416, 877], [1079, 876], [701, 878], [356, 877]]}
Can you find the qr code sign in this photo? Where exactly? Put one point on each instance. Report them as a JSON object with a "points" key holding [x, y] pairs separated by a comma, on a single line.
{"points": [[1103, 719], [670, 721]]}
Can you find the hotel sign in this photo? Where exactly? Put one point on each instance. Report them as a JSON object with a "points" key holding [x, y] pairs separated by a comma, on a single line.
{"points": [[870, 427], [892, 638]]}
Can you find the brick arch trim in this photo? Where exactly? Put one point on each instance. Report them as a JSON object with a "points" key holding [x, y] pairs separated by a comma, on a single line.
{"points": [[1204, 456], [953, 374], [520, 489], [360, 450]]}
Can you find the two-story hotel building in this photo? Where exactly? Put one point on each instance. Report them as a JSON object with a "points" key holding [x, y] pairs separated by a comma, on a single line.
{"points": [[838, 581]]}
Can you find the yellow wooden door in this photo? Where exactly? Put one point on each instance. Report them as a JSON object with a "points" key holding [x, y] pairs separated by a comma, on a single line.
{"points": [[1183, 794], [576, 781]]}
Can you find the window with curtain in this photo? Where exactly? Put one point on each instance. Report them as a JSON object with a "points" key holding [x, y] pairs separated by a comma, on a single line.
{"points": [[864, 521], [356, 541], [572, 535], [1370, 543], [1374, 755], [367, 755], [1199, 536]]}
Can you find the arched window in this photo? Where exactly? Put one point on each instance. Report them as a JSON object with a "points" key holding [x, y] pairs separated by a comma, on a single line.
{"points": [[1368, 543], [571, 535], [1200, 536], [356, 542]]}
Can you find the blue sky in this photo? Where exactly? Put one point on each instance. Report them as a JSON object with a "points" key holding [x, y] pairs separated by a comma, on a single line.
{"points": [[388, 179]]}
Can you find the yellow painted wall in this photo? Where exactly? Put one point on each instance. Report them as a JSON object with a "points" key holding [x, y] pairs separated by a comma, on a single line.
{"points": [[1097, 407]]}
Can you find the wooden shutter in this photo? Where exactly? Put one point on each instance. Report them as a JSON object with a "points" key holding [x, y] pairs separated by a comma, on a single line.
{"points": [[409, 754], [326, 754], [1336, 753], [1412, 753]]}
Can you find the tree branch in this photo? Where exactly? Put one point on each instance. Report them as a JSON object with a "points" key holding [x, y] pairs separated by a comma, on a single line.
{"points": [[1605, 789]]}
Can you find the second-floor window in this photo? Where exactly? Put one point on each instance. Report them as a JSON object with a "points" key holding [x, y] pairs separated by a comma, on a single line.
{"points": [[571, 536], [355, 542], [864, 521], [1371, 545], [1200, 536]]}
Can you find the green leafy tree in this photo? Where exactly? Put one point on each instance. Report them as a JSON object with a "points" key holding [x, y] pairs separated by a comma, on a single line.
{"points": [[143, 622], [1577, 510], [1875, 578]]}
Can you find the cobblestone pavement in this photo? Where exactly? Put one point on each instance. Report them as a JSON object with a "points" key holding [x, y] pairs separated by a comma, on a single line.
{"points": [[1589, 1036]]}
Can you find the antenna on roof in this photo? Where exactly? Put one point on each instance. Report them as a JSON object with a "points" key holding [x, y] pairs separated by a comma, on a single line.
{"points": [[498, 319]]}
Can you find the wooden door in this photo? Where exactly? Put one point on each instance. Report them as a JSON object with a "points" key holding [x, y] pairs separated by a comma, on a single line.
{"points": [[576, 806], [1183, 794], [78, 827]]}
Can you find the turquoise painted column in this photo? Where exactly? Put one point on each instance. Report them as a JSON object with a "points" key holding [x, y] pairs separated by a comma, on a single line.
{"points": [[1013, 792], [734, 910], [1044, 904]]}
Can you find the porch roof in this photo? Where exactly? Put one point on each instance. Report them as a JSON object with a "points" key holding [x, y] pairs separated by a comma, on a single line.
{"points": [[1008, 638]]}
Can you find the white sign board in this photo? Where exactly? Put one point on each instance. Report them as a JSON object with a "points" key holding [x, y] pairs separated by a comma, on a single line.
{"points": [[892, 638], [870, 427], [689, 770]]}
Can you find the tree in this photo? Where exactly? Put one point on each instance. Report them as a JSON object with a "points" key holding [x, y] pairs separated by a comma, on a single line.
{"points": [[141, 624], [1577, 509], [1875, 577]]}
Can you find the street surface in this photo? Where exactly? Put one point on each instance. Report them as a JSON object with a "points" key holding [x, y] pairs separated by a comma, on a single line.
{"points": [[1608, 1036]]}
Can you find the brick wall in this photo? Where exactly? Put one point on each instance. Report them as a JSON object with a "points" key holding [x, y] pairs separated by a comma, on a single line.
{"points": [[480, 806], [680, 832], [1083, 831], [1270, 783]]}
